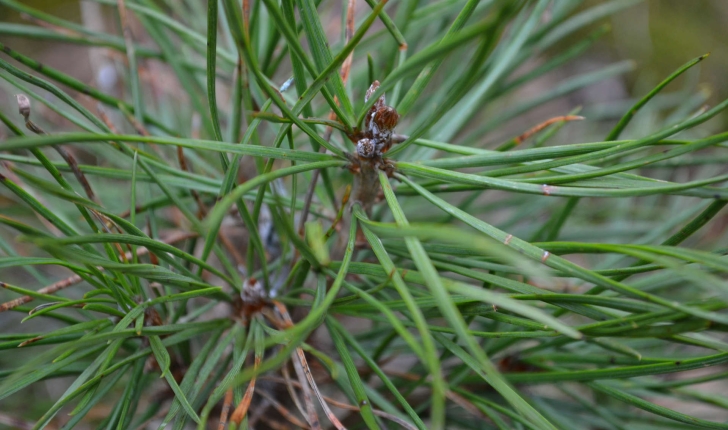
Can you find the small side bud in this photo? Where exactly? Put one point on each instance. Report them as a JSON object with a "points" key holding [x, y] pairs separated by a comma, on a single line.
{"points": [[23, 105], [252, 298], [371, 90], [365, 148], [252, 291]]}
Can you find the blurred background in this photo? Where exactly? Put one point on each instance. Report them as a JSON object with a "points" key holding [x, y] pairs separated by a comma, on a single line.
{"points": [[657, 35]]}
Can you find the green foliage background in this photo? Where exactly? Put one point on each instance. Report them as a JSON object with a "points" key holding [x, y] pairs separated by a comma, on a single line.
{"points": [[574, 280]]}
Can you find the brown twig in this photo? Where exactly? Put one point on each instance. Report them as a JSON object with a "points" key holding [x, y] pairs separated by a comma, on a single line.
{"points": [[24, 109], [282, 323], [309, 376], [302, 363], [242, 409], [343, 405], [283, 411], [464, 403], [138, 126], [533, 130], [75, 279], [73, 164], [289, 386], [230, 246], [227, 402], [106, 223], [404, 375], [452, 396], [312, 416], [275, 425]]}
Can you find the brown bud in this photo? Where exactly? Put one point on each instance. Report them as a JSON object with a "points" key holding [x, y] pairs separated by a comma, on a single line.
{"points": [[386, 118], [253, 297], [252, 291]]}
